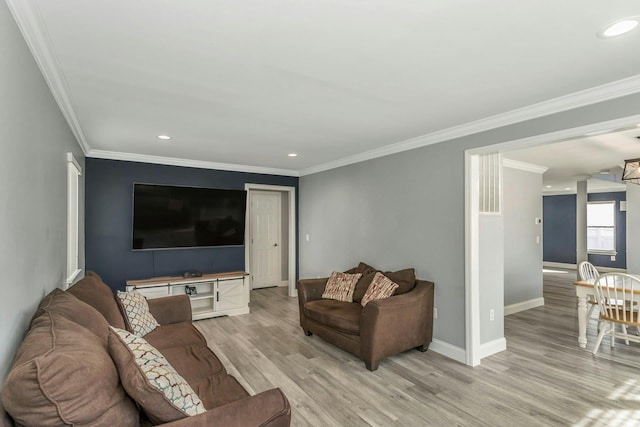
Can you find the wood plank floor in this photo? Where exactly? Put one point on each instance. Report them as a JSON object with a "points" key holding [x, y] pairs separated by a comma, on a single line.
{"points": [[542, 379]]}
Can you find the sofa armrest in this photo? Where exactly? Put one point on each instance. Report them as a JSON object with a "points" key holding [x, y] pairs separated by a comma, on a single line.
{"points": [[398, 323], [311, 289], [173, 309], [267, 409]]}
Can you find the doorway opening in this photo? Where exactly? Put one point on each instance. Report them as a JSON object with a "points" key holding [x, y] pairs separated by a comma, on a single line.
{"points": [[475, 287], [270, 238]]}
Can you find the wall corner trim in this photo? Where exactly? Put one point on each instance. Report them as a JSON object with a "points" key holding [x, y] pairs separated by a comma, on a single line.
{"points": [[492, 347], [528, 167], [448, 350], [522, 306]]}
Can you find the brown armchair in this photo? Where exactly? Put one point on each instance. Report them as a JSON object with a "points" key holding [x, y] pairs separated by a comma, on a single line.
{"points": [[382, 328]]}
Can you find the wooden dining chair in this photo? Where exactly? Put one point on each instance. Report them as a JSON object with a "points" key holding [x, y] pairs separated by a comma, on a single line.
{"points": [[617, 295], [588, 271]]}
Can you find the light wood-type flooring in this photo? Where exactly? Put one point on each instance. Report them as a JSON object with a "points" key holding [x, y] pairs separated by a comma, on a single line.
{"points": [[542, 379]]}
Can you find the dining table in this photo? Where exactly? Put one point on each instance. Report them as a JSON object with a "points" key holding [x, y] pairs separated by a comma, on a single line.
{"points": [[584, 289]]}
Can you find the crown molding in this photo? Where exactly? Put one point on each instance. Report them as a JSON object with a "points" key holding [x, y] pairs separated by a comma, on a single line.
{"points": [[528, 167], [608, 91], [174, 161], [27, 16]]}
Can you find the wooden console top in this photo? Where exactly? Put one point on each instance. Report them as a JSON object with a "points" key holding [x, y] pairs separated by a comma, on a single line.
{"points": [[180, 279]]}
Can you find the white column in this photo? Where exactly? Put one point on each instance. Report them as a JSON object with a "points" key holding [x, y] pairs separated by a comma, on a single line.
{"points": [[633, 228], [581, 222]]}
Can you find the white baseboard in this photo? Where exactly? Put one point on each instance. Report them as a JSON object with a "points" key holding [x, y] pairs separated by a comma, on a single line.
{"points": [[575, 267], [451, 351], [559, 265], [284, 283], [493, 347], [522, 306]]}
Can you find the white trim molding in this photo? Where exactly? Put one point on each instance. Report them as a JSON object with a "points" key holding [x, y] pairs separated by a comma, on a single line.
{"points": [[447, 350], [608, 91], [527, 167], [522, 306], [492, 347], [173, 161], [33, 29]]}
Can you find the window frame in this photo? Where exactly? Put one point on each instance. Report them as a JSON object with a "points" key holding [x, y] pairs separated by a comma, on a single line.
{"points": [[74, 172], [614, 227]]}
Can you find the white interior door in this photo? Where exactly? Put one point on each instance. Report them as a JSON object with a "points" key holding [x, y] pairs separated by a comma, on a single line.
{"points": [[265, 238]]}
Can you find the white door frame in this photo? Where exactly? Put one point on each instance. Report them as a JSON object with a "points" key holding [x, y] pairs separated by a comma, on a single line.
{"points": [[472, 187], [291, 192]]}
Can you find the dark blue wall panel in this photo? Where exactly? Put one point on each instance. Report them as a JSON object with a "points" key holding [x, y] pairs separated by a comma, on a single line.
{"points": [[108, 211], [559, 230]]}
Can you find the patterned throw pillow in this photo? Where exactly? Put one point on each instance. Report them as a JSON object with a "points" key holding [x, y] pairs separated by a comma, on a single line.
{"points": [[150, 380], [340, 286], [381, 287], [136, 309]]}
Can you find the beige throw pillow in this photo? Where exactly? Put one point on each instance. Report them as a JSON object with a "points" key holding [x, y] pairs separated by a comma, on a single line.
{"points": [[136, 310], [340, 286], [381, 287], [150, 380]]}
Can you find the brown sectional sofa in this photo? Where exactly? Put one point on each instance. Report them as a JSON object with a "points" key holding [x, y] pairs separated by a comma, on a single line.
{"points": [[382, 328], [63, 373]]}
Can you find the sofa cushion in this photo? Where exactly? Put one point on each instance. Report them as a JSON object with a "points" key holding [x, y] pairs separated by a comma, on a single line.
{"points": [[340, 286], [339, 315], [151, 380], [406, 279], [362, 268], [194, 361], [218, 390], [93, 291], [175, 335], [381, 287], [138, 318], [63, 374]]}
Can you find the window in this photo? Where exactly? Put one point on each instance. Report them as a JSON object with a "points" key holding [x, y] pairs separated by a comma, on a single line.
{"points": [[73, 180], [601, 227]]}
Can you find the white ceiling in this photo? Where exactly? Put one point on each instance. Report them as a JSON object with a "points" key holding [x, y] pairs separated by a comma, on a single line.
{"points": [[586, 158], [247, 82]]}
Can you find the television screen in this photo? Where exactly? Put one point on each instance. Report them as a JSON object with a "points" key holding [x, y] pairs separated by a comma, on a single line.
{"points": [[167, 216]]}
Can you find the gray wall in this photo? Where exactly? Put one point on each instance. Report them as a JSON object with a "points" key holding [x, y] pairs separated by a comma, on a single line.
{"points": [[34, 138], [491, 275], [407, 209], [522, 255]]}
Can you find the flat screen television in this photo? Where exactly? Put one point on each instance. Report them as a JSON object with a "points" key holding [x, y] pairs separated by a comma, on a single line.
{"points": [[166, 216]]}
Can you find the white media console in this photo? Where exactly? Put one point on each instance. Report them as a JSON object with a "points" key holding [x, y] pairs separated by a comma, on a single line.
{"points": [[212, 295]]}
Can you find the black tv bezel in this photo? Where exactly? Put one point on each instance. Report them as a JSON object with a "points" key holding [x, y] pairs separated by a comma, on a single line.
{"points": [[133, 188]]}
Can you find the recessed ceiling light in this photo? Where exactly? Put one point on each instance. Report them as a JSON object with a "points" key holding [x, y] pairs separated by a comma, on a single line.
{"points": [[620, 27], [164, 137], [547, 186], [292, 155], [567, 188]]}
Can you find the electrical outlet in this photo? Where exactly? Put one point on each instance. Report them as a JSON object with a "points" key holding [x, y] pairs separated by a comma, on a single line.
{"points": [[492, 315], [307, 237], [613, 257], [435, 312], [538, 239]]}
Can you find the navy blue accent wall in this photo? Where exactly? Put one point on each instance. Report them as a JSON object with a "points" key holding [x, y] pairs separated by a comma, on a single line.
{"points": [[108, 220], [559, 230]]}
